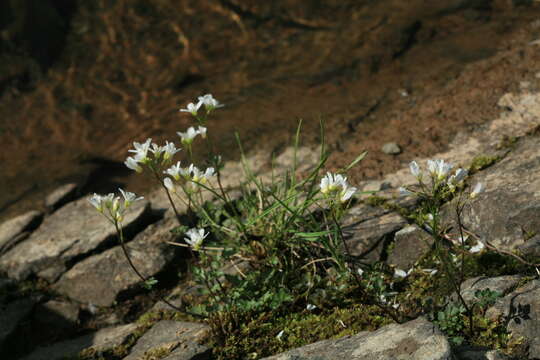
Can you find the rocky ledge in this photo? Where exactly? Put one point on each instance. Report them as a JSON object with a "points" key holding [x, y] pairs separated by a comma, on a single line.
{"points": [[79, 272]]}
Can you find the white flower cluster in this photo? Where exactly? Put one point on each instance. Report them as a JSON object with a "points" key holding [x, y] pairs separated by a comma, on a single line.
{"points": [[207, 100], [439, 173], [160, 154], [191, 174], [111, 206], [336, 186]]}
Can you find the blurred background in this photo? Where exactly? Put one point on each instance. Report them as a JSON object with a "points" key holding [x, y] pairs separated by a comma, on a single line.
{"points": [[81, 80]]}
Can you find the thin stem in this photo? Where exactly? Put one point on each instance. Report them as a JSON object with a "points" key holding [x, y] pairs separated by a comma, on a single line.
{"points": [[128, 257]]}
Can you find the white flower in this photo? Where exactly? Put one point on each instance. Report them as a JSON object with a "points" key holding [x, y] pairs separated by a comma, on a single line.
{"points": [[174, 171], [141, 150], [169, 185], [202, 131], [189, 135], [332, 184], [401, 273], [97, 201], [431, 272], [169, 150], [360, 271], [133, 164], [198, 176], [404, 191], [310, 307], [477, 248], [460, 175], [415, 169], [439, 168], [156, 150], [192, 108], [346, 193], [209, 102], [279, 335], [478, 188], [129, 197], [195, 238]]}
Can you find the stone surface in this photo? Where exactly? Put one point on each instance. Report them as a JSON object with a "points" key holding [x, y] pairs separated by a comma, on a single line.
{"points": [[416, 340], [410, 243], [61, 196], [11, 230], [57, 315], [500, 283], [391, 148], [506, 213], [100, 278], [521, 311], [521, 116], [72, 232], [466, 353], [11, 315], [366, 228], [181, 338], [100, 340]]}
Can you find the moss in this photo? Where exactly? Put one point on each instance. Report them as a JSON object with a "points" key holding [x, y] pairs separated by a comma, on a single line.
{"points": [[507, 142], [257, 336], [376, 201], [482, 162]]}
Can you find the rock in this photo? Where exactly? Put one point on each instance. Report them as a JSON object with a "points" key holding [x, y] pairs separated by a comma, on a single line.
{"points": [[11, 315], [410, 243], [181, 339], [500, 284], [521, 117], [391, 148], [418, 339], [467, 353], [366, 228], [61, 196], [11, 230], [375, 186], [72, 232], [55, 318], [101, 340], [521, 311], [506, 213], [100, 278]]}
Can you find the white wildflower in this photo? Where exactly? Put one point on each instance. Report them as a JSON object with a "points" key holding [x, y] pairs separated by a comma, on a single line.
{"points": [[175, 171], [404, 191], [478, 188], [192, 108], [332, 184], [280, 334], [431, 272], [202, 131], [169, 150], [133, 164], [415, 169], [129, 197], [141, 151], [195, 238], [402, 273], [439, 168], [188, 136], [169, 185], [310, 307], [477, 248], [209, 102]]}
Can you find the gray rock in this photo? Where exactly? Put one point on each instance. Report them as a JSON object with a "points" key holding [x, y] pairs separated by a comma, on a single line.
{"points": [[58, 315], [521, 311], [418, 339], [365, 228], [391, 148], [506, 213], [72, 232], [11, 315], [466, 353], [180, 338], [100, 278], [101, 340], [11, 230], [61, 196], [500, 284], [410, 243]]}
